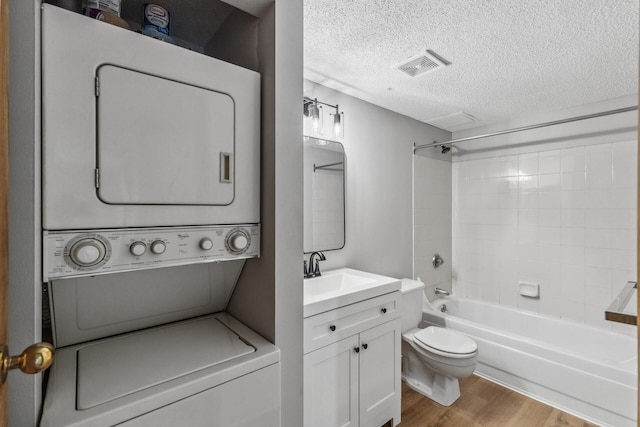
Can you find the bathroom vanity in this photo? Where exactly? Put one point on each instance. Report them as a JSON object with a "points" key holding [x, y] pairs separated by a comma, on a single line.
{"points": [[352, 334]]}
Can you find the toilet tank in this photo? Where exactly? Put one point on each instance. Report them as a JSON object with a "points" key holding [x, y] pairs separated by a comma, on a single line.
{"points": [[412, 291]]}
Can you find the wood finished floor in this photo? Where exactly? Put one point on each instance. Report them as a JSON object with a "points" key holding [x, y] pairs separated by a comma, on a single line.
{"points": [[483, 404]]}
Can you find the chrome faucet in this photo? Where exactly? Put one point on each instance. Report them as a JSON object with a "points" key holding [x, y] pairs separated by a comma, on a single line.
{"points": [[313, 268], [441, 291]]}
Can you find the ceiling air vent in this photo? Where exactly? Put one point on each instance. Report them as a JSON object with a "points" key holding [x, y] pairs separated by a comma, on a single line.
{"points": [[422, 63], [453, 122]]}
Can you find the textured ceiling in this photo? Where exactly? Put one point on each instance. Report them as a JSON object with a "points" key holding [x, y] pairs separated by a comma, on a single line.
{"points": [[510, 58]]}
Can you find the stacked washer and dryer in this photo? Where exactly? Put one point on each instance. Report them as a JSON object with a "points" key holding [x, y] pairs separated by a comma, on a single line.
{"points": [[150, 209]]}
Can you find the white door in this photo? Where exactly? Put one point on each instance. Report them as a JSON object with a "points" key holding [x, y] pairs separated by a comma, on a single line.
{"points": [[331, 385], [379, 372]]}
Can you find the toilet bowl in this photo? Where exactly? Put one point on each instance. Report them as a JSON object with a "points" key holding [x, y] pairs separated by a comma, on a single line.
{"points": [[434, 358]]}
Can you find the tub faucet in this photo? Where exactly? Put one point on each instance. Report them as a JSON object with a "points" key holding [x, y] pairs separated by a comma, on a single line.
{"points": [[441, 291], [313, 269]]}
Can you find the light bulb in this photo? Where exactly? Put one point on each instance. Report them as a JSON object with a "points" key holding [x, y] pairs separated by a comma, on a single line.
{"points": [[337, 125], [314, 112]]}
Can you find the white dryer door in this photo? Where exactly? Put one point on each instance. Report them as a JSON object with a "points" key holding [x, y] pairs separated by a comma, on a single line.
{"points": [[162, 142]]}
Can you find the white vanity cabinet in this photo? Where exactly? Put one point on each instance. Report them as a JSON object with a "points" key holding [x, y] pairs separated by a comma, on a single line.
{"points": [[352, 364]]}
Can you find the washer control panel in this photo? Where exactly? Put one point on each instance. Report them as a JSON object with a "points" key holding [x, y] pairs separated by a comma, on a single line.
{"points": [[87, 253]]}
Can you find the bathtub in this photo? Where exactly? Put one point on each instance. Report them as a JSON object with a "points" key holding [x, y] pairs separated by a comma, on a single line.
{"points": [[582, 370]]}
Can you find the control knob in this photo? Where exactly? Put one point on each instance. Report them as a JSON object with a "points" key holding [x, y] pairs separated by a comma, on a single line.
{"points": [[206, 244], [158, 247], [87, 252], [237, 241], [137, 248]]}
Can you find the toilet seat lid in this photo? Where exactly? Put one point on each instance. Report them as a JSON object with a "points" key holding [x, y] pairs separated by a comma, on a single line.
{"points": [[445, 340]]}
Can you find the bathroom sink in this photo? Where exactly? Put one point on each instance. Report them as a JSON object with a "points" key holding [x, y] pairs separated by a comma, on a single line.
{"points": [[337, 288], [335, 282]]}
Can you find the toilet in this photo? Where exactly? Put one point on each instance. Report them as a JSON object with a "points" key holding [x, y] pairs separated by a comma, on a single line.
{"points": [[433, 358]]}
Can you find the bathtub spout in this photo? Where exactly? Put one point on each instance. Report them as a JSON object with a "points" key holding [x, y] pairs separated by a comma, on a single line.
{"points": [[441, 292]]}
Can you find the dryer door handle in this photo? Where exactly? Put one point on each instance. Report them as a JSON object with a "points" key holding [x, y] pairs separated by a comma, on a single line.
{"points": [[226, 168]]}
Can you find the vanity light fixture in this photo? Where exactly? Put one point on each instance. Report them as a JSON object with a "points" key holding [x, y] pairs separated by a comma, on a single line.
{"points": [[338, 128], [312, 110]]}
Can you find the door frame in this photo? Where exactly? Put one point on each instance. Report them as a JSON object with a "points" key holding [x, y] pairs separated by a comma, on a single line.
{"points": [[4, 189]]}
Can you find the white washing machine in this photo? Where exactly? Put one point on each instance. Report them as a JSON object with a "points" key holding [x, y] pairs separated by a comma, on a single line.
{"points": [[142, 141], [136, 345], [208, 371]]}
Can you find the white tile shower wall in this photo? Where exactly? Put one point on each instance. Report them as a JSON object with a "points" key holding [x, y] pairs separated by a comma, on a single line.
{"points": [[565, 219], [432, 222]]}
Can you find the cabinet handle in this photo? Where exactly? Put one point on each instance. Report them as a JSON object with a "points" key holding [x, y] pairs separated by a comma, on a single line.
{"points": [[383, 310], [332, 327], [357, 349], [364, 346]]}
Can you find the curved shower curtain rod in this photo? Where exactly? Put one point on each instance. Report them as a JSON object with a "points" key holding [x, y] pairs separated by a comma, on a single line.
{"points": [[520, 129]]}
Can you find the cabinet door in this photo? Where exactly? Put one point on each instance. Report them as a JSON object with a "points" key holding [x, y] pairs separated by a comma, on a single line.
{"points": [[331, 385], [380, 374]]}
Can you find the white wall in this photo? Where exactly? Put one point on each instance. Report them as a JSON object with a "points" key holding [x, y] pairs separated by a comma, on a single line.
{"points": [[378, 147], [268, 297], [556, 208], [432, 221]]}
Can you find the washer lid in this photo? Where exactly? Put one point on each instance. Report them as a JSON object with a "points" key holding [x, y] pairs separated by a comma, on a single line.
{"points": [[111, 369], [445, 340]]}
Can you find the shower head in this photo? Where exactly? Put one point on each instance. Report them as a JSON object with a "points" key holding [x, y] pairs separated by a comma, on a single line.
{"points": [[445, 149]]}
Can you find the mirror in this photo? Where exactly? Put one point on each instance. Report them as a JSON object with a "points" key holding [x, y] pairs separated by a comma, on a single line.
{"points": [[324, 163]]}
